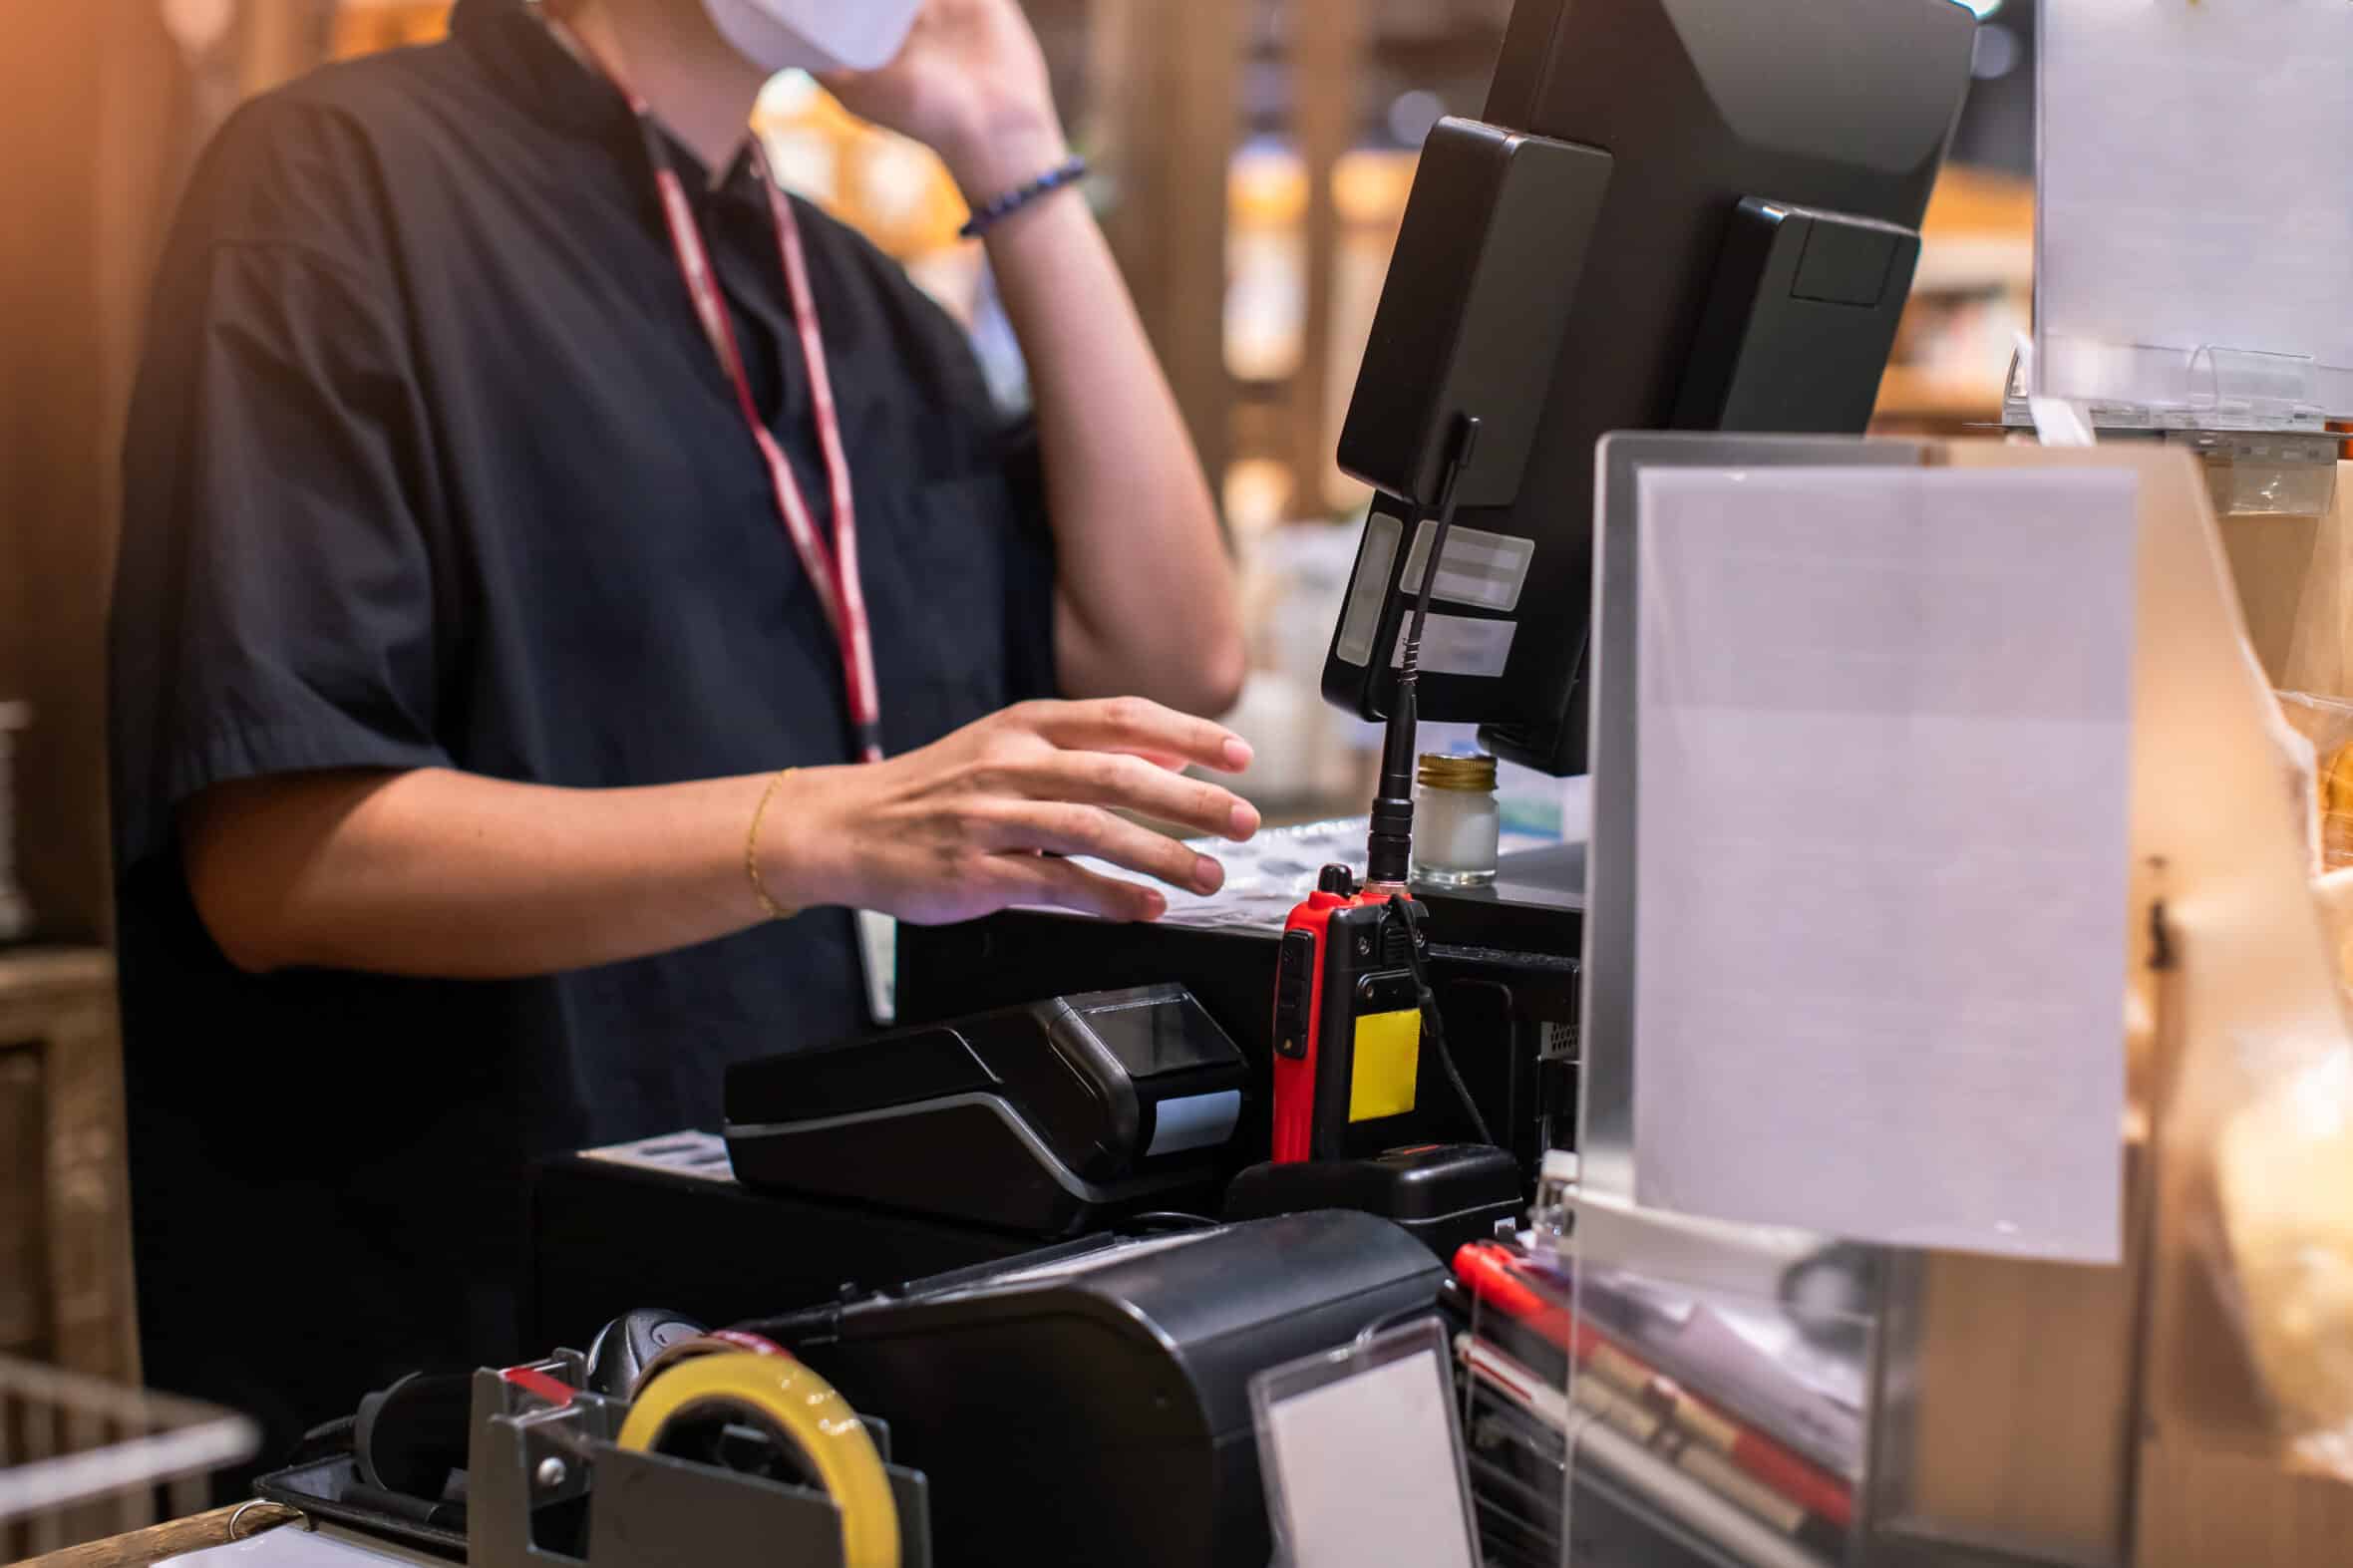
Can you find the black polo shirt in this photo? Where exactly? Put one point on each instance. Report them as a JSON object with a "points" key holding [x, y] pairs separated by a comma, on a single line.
{"points": [[430, 465]]}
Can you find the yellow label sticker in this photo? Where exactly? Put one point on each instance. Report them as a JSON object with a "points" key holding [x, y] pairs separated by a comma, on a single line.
{"points": [[1387, 1057]]}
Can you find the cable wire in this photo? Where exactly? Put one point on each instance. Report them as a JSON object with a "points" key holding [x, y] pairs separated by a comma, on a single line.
{"points": [[1433, 1025]]}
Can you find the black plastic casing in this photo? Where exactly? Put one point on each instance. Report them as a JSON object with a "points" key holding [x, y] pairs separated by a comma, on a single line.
{"points": [[1797, 334], [1443, 1194], [1045, 1119], [1505, 218], [1105, 1416]]}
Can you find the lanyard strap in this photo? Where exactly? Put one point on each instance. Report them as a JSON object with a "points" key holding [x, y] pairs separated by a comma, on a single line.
{"points": [[832, 565]]}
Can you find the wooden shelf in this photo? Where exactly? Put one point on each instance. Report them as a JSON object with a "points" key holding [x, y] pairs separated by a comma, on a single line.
{"points": [[30, 976], [65, 1204]]}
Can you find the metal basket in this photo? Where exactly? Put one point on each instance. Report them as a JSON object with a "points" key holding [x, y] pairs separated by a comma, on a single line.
{"points": [[80, 1458]]}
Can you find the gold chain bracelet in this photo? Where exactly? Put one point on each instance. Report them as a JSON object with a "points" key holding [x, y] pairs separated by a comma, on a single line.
{"points": [[775, 911]]}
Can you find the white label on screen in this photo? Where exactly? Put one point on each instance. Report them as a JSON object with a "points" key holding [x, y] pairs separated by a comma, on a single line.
{"points": [[1368, 587], [1194, 1122], [1458, 645], [1486, 569]]}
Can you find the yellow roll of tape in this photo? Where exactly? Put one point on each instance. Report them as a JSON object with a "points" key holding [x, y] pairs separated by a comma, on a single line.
{"points": [[785, 1397]]}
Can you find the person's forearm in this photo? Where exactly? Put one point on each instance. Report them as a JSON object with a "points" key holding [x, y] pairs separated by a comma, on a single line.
{"points": [[1147, 600], [455, 876], [458, 877]]}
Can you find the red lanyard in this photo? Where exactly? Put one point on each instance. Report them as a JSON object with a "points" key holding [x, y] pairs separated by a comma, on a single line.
{"points": [[832, 569]]}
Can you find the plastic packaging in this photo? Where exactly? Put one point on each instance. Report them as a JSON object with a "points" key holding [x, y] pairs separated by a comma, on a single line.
{"points": [[2327, 722], [2282, 1153], [2283, 1189], [2283, 1176], [1652, 1383]]}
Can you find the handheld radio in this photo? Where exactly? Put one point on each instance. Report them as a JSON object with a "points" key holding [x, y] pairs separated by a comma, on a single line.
{"points": [[1347, 1015]]}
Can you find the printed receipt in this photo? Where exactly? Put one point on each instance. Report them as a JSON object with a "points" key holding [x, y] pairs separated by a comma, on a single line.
{"points": [[1885, 724]]}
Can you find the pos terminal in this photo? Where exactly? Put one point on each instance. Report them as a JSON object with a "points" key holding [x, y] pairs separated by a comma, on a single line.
{"points": [[1671, 214]]}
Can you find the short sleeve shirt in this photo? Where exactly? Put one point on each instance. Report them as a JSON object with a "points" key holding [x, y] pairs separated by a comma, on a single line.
{"points": [[430, 465]]}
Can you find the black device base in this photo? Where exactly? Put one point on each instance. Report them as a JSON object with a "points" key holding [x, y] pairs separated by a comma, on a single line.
{"points": [[604, 1235], [1441, 1195], [1053, 1117], [980, 1163]]}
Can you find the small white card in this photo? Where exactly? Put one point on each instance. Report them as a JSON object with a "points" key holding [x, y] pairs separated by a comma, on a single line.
{"points": [[1881, 845], [1363, 1457]]}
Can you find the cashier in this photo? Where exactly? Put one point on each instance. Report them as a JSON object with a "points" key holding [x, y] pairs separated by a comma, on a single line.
{"points": [[560, 579]]}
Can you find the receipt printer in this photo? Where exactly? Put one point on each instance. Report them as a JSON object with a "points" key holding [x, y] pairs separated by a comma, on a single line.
{"points": [[1049, 1119], [1090, 1404]]}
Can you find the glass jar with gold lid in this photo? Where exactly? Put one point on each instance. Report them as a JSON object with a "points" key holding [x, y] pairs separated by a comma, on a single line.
{"points": [[1456, 828]]}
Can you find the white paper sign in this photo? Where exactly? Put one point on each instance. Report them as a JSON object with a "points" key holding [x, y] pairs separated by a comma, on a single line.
{"points": [[1882, 852], [2195, 158]]}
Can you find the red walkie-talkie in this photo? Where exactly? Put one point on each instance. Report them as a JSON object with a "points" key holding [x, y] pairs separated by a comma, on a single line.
{"points": [[1347, 1017], [1349, 995]]}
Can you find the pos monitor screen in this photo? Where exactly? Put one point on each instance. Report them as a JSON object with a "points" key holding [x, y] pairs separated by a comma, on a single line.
{"points": [[1695, 215]]}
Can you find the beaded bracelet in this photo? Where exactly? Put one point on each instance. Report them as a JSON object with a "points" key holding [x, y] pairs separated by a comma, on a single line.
{"points": [[1002, 206]]}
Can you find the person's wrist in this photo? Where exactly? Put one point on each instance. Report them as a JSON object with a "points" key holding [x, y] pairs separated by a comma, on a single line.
{"points": [[802, 851], [1002, 151]]}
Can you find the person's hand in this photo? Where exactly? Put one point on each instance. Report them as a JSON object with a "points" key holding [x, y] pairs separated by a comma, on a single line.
{"points": [[971, 84], [973, 823]]}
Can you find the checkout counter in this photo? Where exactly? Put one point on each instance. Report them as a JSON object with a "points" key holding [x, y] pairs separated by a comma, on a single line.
{"points": [[1641, 232], [1580, 260]]}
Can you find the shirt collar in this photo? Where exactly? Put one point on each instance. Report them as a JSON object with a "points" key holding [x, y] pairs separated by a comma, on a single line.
{"points": [[510, 43], [525, 55]]}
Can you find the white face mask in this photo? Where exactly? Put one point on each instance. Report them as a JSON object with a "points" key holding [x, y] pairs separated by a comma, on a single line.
{"points": [[816, 36]]}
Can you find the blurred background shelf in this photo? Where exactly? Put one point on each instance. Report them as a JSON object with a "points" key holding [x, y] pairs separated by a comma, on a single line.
{"points": [[1971, 299], [65, 1208]]}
